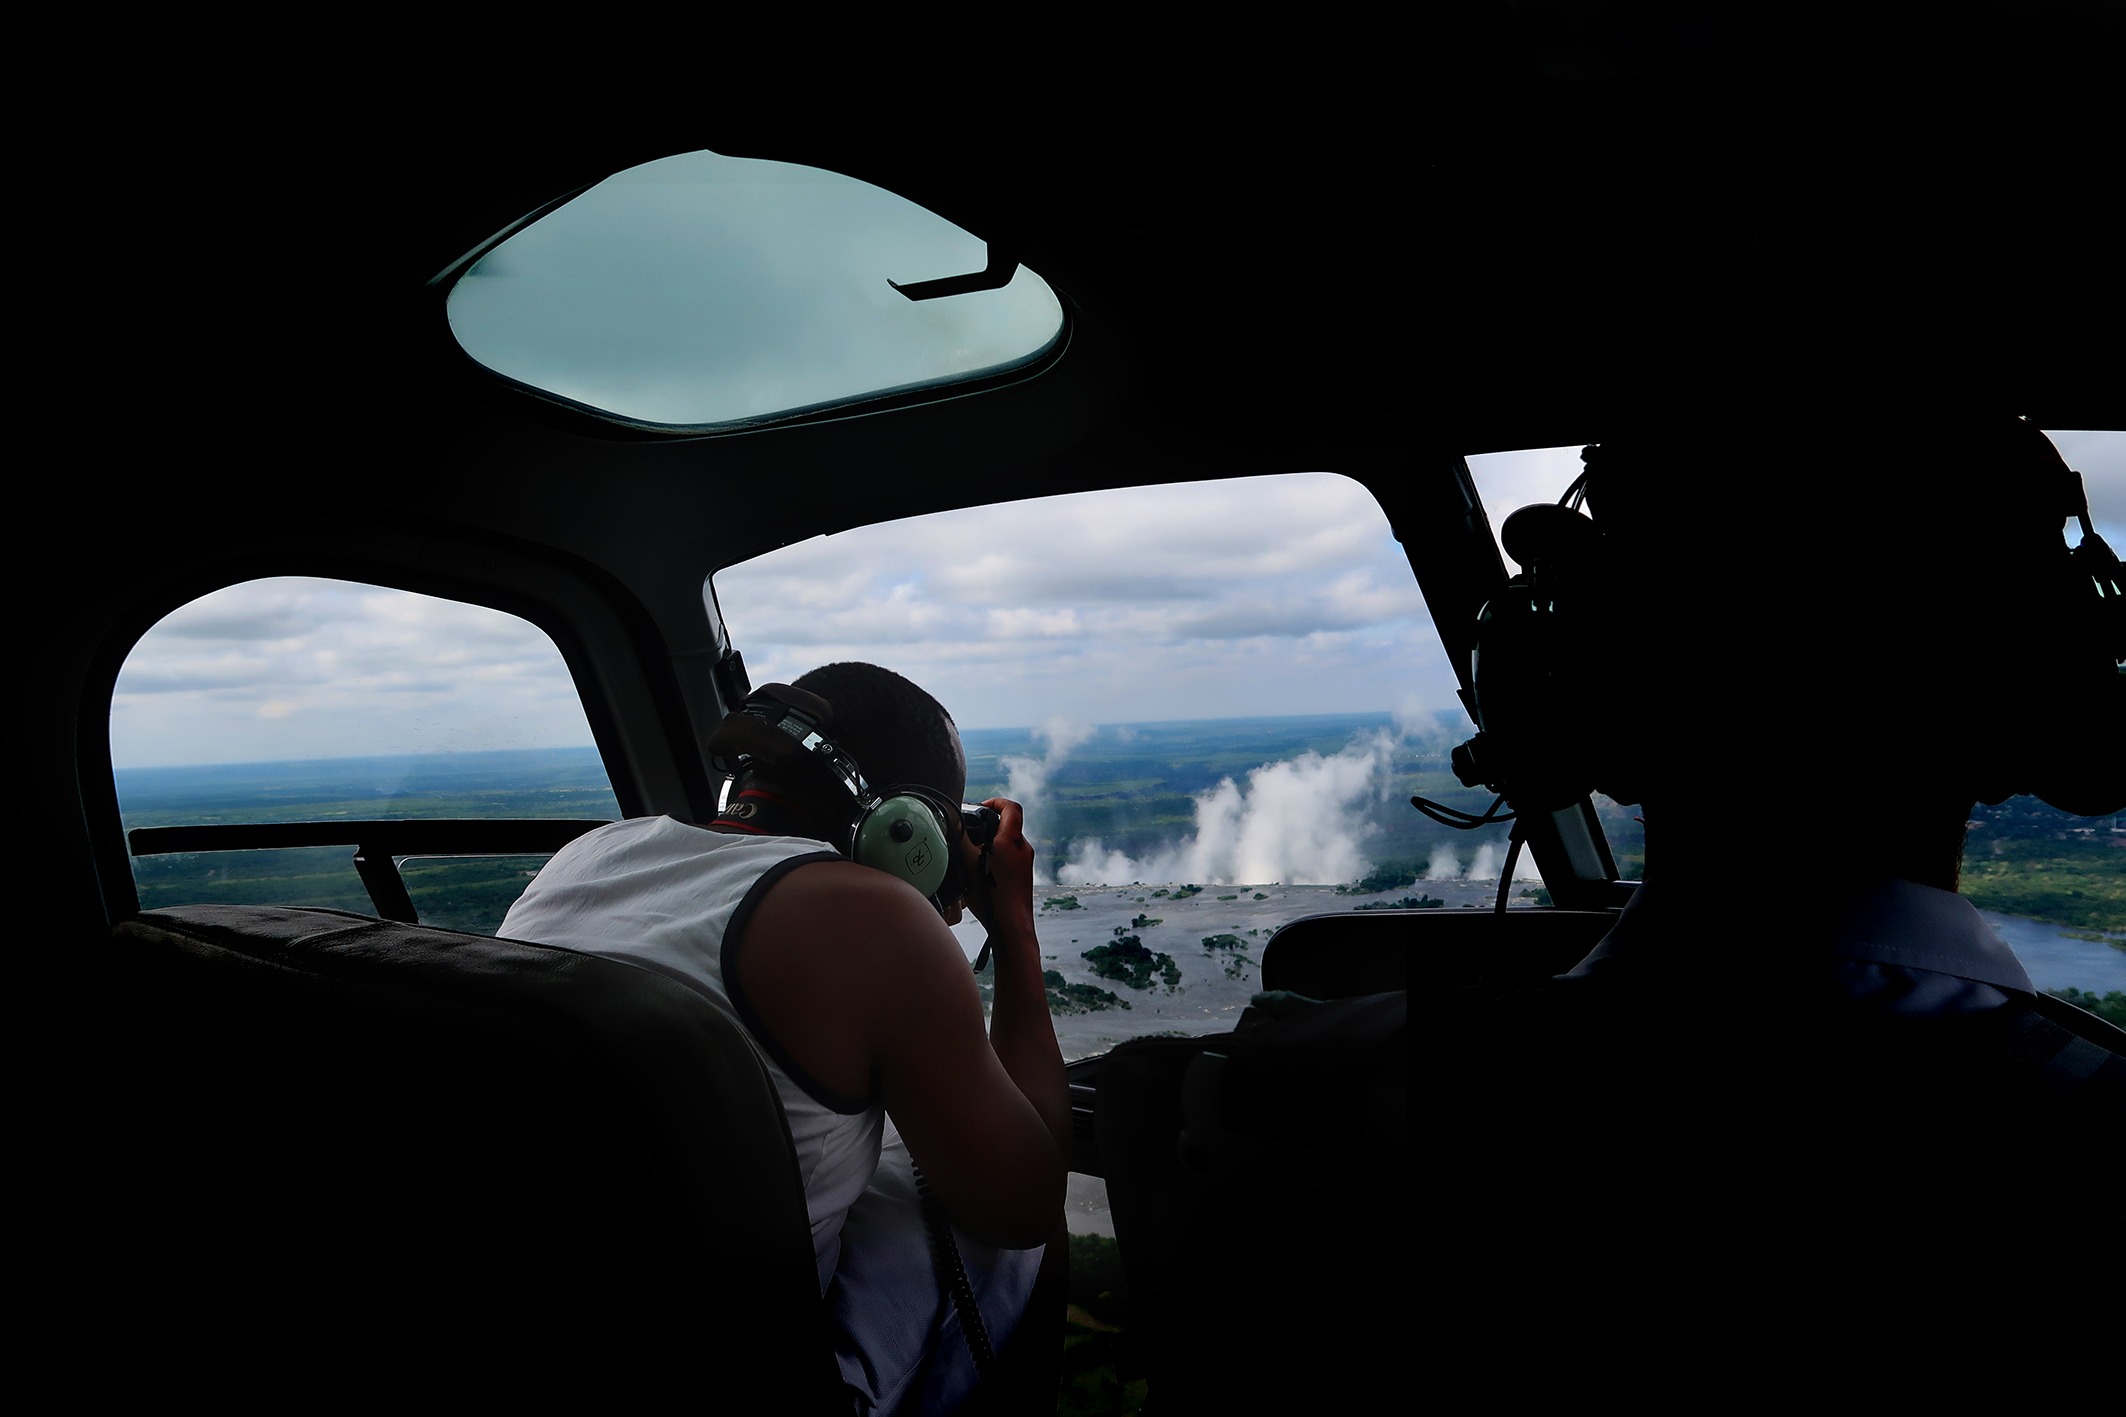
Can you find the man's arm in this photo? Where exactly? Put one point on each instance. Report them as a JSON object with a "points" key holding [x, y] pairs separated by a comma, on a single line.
{"points": [[997, 1161], [862, 984], [1020, 1029]]}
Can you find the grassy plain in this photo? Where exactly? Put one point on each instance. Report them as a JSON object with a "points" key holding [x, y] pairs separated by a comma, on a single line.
{"points": [[2024, 858]]}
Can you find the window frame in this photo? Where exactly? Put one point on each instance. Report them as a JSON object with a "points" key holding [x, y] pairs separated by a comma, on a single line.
{"points": [[630, 696]]}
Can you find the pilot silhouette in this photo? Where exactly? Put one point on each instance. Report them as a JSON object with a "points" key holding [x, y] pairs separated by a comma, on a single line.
{"points": [[1799, 1061]]}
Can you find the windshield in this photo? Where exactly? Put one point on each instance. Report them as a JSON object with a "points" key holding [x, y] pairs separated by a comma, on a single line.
{"points": [[1215, 700]]}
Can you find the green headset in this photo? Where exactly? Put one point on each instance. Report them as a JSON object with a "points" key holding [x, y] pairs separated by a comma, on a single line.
{"points": [[909, 831]]}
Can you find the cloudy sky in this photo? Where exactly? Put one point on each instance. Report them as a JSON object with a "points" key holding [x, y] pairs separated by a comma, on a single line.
{"points": [[293, 668], [1204, 600], [1258, 596], [1274, 595]]}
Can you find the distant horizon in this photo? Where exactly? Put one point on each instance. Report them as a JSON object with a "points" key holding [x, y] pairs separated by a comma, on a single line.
{"points": [[351, 758], [1029, 730]]}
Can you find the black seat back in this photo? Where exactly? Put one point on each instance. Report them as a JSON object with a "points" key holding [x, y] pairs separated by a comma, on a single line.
{"points": [[529, 1166], [1455, 951], [1265, 1172]]}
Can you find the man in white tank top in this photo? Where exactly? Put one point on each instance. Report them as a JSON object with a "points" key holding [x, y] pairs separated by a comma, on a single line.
{"points": [[862, 999]]}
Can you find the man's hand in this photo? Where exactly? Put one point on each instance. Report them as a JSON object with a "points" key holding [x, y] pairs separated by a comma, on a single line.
{"points": [[1003, 901]]}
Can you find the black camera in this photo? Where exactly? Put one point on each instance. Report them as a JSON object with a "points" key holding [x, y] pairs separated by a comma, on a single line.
{"points": [[979, 824]]}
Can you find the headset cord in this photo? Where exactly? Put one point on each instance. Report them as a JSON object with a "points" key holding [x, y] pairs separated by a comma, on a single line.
{"points": [[1513, 857], [1455, 817], [945, 1252], [981, 961]]}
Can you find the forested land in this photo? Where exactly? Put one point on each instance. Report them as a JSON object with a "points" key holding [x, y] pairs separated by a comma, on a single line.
{"points": [[457, 893], [1134, 789]]}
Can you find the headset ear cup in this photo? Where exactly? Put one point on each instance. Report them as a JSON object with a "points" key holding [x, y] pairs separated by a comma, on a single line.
{"points": [[905, 835]]}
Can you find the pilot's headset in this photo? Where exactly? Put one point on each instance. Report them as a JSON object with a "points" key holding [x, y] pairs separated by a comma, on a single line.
{"points": [[1534, 672], [906, 830], [1544, 708], [2077, 736]]}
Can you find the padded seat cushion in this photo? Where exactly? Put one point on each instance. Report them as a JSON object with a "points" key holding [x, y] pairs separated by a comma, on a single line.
{"points": [[321, 1105]]}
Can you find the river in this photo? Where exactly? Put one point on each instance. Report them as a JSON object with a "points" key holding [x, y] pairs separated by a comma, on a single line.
{"points": [[2057, 960]]}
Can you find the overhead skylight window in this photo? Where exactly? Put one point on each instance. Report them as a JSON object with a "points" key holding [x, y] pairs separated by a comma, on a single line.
{"points": [[702, 290]]}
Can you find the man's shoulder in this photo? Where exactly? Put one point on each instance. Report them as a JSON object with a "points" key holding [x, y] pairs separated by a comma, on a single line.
{"points": [[635, 840], [836, 893], [875, 934], [840, 960], [657, 865]]}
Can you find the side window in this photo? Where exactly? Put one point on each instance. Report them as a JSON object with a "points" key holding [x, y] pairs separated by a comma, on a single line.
{"points": [[1215, 701], [314, 701]]}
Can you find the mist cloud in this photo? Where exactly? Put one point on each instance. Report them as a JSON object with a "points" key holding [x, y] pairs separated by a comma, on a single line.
{"points": [[1296, 822], [1027, 778], [1484, 864]]}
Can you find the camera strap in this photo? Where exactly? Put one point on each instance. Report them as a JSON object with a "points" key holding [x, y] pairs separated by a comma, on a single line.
{"points": [[952, 1272]]}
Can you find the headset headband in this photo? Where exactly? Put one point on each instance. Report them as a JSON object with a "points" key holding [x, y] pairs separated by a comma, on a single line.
{"points": [[825, 750], [908, 830], [774, 720]]}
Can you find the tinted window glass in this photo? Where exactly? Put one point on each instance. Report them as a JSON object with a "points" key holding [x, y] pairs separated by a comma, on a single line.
{"points": [[299, 700], [701, 290]]}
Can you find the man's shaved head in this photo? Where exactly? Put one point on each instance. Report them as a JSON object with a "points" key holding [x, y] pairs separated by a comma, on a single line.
{"points": [[898, 734]]}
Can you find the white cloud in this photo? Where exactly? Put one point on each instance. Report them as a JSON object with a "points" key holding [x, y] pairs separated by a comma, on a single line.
{"points": [[1027, 623], [304, 668], [1193, 600]]}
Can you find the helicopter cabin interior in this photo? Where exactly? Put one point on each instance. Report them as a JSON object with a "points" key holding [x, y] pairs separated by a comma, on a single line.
{"points": [[269, 1136]]}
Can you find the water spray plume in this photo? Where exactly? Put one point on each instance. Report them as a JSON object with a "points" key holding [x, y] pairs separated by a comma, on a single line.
{"points": [[1296, 821]]}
